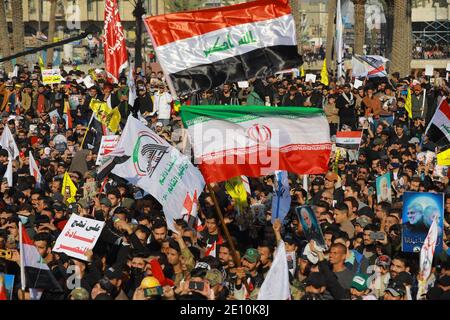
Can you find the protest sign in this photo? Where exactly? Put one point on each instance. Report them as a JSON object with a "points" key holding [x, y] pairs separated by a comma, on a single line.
{"points": [[310, 77], [310, 225], [107, 145], [419, 210], [429, 70], [384, 192], [51, 76], [88, 82], [358, 83], [242, 84], [78, 236], [54, 114]]}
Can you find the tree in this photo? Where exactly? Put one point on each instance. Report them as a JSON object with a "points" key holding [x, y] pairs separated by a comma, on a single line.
{"points": [[138, 12], [18, 28], [4, 37], [183, 5], [330, 33], [402, 38], [360, 23], [296, 14], [389, 9], [51, 29]]}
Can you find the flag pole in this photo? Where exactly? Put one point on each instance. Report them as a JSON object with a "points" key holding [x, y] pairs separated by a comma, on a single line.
{"points": [[227, 233], [87, 130], [423, 102], [22, 264]]}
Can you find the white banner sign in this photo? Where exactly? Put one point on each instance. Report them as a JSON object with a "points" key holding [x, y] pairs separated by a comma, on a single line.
{"points": [[358, 83], [78, 236], [429, 70], [106, 146], [310, 77]]}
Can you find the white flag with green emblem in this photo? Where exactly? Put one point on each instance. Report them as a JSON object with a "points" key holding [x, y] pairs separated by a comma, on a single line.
{"points": [[158, 168]]}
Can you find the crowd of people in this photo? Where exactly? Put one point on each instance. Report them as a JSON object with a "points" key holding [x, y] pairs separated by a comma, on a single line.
{"points": [[138, 258]]}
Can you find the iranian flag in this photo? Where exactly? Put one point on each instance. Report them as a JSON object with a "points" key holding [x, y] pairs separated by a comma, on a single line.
{"points": [[348, 139], [439, 127], [230, 141], [34, 271], [203, 49]]}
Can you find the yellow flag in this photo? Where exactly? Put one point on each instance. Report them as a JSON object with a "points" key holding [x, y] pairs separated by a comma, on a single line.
{"points": [[443, 158], [408, 104], [302, 72], [177, 105], [68, 189], [92, 73], [324, 73], [41, 62], [113, 120], [106, 115], [236, 189], [336, 160]]}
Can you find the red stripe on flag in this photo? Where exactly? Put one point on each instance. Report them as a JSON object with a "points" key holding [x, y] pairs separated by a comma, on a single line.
{"points": [[445, 108], [183, 25], [348, 134], [374, 71], [296, 161], [25, 238]]}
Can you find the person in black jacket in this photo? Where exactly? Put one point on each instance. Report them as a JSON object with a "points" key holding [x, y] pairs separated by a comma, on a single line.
{"points": [[346, 104], [143, 102]]}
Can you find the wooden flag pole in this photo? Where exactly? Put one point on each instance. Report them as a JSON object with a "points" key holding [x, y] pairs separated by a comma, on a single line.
{"points": [[236, 259]]}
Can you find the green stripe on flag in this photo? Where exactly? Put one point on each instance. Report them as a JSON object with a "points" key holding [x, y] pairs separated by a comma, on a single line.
{"points": [[192, 115]]}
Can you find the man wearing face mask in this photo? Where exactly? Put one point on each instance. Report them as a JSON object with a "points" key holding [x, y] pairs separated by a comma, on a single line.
{"points": [[137, 272]]}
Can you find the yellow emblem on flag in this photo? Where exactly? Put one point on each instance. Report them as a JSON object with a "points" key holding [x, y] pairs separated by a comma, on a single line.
{"points": [[68, 189]]}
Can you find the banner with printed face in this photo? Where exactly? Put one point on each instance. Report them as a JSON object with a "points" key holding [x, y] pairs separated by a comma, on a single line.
{"points": [[419, 210], [310, 225], [384, 192]]}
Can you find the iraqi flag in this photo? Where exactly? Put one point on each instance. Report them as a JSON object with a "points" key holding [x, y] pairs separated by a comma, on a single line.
{"points": [[254, 141], [35, 273], [439, 127], [203, 49], [348, 139], [369, 66]]}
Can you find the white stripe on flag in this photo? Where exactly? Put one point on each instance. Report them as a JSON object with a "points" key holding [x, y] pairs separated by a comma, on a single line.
{"points": [[441, 121], [284, 132], [191, 52]]}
